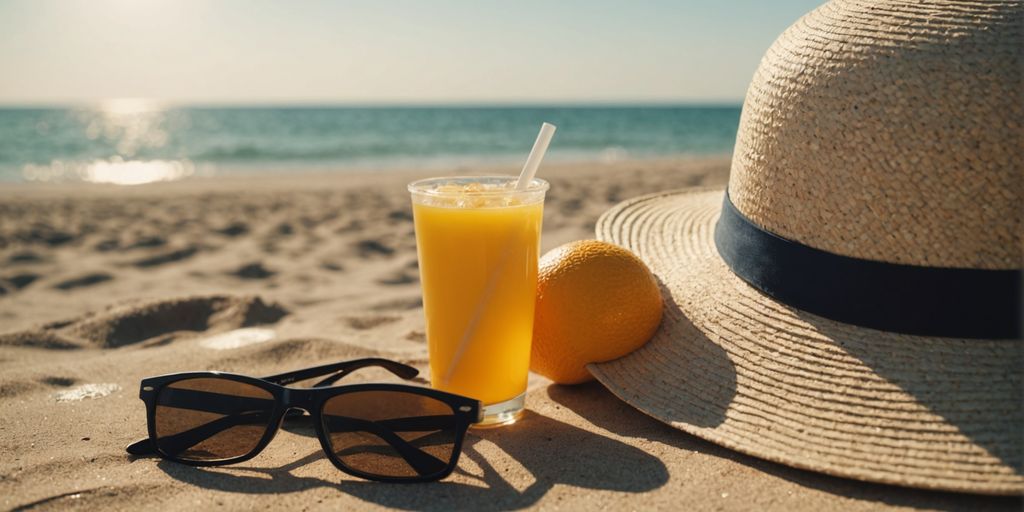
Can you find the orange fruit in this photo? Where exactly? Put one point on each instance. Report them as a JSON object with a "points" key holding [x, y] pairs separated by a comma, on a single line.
{"points": [[595, 302]]}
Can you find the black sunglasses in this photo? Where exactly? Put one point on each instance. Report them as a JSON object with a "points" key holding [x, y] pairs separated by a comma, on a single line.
{"points": [[385, 432]]}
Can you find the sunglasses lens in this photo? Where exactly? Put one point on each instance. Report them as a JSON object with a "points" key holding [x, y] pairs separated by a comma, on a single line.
{"points": [[211, 419], [391, 433]]}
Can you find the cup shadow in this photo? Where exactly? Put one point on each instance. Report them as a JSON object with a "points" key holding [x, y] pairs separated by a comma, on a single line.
{"points": [[534, 442]]}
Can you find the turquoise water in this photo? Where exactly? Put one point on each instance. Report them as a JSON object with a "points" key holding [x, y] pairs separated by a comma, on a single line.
{"points": [[144, 141]]}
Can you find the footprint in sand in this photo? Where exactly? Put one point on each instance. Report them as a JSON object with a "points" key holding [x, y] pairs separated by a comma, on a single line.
{"points": [[399, 277], [167, 257], [25, 257], [613, 194], [254, 270], [400, 215], [135, 323], [107, 245], [571, 206], [234, 229], [19, 281], [369, 248], [58, 381], [332, 266], [82, 281], [352, 226], [363, 323], [39, 338], [284, 229], [146, 241], [85, 391], [399, 304], [46, 234]]}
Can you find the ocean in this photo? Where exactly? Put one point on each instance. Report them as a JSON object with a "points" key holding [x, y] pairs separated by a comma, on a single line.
{"points": [[136, 141]]}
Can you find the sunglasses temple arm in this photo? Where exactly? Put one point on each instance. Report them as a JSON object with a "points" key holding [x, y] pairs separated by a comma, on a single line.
{"points": [[141, 448], [342, 369]]}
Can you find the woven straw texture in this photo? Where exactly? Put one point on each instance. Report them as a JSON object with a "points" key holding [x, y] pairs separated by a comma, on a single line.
{"points": [[881, 130], [736, 368], [851, 102]]}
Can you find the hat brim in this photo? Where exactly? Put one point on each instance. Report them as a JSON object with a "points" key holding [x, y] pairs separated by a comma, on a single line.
{"points": [[734, 367]]}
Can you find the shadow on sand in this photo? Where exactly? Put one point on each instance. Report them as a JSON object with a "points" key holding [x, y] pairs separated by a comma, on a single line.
{"points": [[551, 451], [554, 452], [592, 402]]}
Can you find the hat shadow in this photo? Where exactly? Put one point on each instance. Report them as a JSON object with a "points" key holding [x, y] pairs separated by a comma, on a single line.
{"points": [[952, 357], [599, 406], [596, 462]]}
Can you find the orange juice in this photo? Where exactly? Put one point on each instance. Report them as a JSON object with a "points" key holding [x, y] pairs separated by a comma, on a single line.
{"points": [[477, 240]]}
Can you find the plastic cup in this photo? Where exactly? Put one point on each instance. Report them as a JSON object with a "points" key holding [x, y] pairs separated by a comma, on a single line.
{"points": [[478, 240]]}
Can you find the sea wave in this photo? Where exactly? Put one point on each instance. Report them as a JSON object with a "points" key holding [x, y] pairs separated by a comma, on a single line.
{"points": [[49, 142], [250, 152]]}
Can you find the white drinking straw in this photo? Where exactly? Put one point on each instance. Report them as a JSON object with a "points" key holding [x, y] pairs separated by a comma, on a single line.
{"points": [[540, 146]]}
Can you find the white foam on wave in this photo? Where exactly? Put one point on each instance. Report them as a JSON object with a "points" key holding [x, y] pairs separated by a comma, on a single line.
{"points": [[238, 338], [84, 391]]}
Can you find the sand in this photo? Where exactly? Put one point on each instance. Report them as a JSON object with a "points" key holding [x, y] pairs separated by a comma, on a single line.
{"points": [[102, 286]]}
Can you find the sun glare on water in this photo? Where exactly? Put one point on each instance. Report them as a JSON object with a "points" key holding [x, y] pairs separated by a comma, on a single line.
{"points": [[135, 172], [133, 128], [115, 171]]}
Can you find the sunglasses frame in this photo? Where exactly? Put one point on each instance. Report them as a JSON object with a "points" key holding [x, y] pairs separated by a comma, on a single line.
{"points": [[466, 411]]}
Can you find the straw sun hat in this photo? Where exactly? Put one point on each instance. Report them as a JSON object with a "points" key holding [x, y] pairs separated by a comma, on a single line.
{"points": [[851, 305]]}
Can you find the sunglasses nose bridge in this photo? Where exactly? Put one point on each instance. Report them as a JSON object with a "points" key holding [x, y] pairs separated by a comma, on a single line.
{"points": [[299, 399]]}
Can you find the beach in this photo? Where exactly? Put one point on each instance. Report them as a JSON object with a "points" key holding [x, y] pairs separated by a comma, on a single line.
{"points": [[102, 285]]}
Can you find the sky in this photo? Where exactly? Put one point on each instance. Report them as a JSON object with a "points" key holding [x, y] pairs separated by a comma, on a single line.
{"points": [[385, 51]]}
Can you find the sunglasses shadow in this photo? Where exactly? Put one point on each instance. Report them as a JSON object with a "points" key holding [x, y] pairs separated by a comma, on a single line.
{"points": [[595, 462]]}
